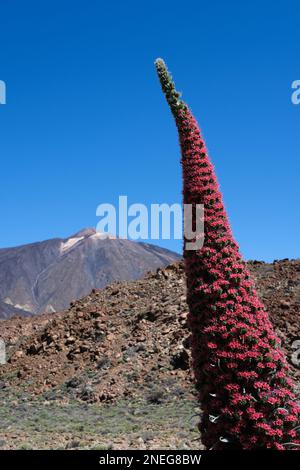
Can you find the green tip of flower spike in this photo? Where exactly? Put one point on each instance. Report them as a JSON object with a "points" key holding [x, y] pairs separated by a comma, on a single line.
{"points": [[168, 87]]}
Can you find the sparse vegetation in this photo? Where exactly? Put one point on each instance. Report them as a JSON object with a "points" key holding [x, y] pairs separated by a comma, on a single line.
{"points": [[136, 424]]}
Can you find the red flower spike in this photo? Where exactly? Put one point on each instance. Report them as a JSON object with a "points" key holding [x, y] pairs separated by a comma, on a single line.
{"points": [[241, 374]]}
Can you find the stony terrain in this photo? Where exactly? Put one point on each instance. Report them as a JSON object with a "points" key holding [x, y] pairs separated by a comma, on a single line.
{"points": [[113, 370]]}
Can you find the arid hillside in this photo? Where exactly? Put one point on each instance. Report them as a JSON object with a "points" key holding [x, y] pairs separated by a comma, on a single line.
{"points": [[128, 343]]}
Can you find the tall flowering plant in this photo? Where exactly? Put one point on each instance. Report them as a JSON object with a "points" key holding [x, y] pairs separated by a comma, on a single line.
{"points": [[246, 395]]}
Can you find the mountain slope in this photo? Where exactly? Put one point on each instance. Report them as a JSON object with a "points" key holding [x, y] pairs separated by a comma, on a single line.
{"points": [[46, 276], [8, 311]]}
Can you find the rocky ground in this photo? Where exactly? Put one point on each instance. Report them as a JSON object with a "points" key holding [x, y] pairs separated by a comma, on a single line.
{"points": [[113, 370]]}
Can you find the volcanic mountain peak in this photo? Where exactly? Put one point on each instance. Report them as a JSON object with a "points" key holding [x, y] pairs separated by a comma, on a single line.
{"points": [[85, 232], [46, 276]]}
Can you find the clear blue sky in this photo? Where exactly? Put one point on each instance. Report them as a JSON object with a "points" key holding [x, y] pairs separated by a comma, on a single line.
{"points": [[85, 119]]}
